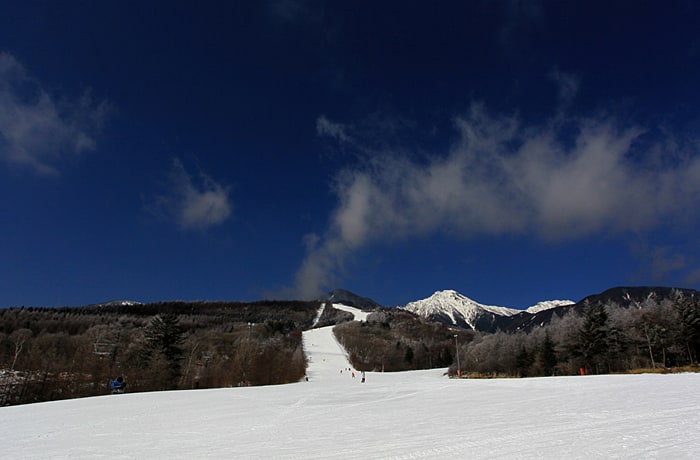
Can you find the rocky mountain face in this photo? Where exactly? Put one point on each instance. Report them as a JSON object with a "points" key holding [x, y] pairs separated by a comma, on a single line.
{"points": [[451, 307]]}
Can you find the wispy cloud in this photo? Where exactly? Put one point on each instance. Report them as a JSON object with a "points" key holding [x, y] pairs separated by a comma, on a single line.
{"points": [[193, 203], [338, 131], [287, 10], [505, 177], [568, 84], [665, 261], [517, 16], [661, 263], [37, 130]]}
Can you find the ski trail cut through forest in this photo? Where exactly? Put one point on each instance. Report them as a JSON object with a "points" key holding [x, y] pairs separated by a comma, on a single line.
{"points": [[318, 315], [327, 359]]}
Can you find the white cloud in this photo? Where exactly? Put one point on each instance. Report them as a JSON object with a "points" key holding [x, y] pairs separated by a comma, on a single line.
{"points": [[503, 177], [36, 131], [338, 131], [191, 205]]}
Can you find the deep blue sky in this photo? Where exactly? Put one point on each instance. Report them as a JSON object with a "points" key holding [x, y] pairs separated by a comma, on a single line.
{"points": [[514, 151]]}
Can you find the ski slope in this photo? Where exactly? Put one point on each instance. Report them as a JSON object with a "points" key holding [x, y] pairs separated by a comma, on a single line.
{"points": [[409, 415], [327, 360]]}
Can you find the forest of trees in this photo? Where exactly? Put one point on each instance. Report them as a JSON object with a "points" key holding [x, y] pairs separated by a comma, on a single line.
{"points": [[58, 353], [605, 338], [397, 340]]}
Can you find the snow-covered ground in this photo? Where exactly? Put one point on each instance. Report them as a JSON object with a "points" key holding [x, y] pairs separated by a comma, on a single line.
{"points": [[327, 360], [359, 314], [408, 415]]}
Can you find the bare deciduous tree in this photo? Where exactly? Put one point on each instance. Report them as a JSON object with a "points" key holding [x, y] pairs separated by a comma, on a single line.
{"points": [[19, 337]]}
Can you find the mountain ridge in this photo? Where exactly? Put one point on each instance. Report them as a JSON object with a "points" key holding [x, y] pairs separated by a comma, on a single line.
{"points": [[455, 309], [452, 308]]}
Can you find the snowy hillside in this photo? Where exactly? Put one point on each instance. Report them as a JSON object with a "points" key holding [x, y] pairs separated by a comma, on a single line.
{"points": [[548, 304], [420, 414]]}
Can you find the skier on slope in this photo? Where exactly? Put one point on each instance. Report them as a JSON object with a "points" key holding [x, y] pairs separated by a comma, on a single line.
{"points": [[117, 385]]}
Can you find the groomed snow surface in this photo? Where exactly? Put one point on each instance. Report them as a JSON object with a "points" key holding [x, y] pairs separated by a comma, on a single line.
{"points": [[406, 415]]}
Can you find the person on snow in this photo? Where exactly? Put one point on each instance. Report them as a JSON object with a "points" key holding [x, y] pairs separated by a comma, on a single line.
{"points": [[118, 385]]}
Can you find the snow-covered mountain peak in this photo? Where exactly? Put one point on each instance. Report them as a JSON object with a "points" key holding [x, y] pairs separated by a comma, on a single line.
{"points": [[456, 307], [451, 307]]}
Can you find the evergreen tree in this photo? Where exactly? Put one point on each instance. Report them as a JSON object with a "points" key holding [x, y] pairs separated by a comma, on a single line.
{"points": [[593, 337], [548, 356], [616, 348], [523, 361], [688, 310], [163, 349]]}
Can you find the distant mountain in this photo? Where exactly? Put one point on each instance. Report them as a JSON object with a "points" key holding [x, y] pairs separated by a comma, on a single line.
{"points": [[116, 303], [624, 296], [628, 296], [451, 307], [547, 305], [349, 298]]}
